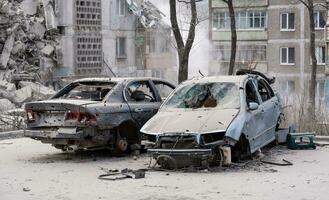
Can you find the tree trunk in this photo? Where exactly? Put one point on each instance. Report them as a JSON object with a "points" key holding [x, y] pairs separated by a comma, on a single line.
{"points": [[312, 85], [183, 50], [233, 37]]}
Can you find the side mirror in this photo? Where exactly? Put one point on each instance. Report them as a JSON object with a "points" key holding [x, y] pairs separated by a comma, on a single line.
{"points": [[253, 106], [138, 95]]}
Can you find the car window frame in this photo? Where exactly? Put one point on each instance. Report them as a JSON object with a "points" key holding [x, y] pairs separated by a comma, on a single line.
{"points": [[153, 90], [267, 88], [255, 90], [159, 99]]}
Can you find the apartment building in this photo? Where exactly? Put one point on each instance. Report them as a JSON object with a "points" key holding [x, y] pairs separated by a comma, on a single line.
{"points": [[273, 37], [107, 37]]}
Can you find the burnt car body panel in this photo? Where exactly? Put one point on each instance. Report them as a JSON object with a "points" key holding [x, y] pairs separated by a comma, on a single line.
{"points": [[66, 121], [215, 127]]}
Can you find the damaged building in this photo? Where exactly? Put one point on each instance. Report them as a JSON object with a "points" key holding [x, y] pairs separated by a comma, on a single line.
{"points": [[114, 37], [50, 42]]}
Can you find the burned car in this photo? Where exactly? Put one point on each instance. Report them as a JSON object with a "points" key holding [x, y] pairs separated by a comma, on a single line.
{"points": [[96, 112], [212, 120]]}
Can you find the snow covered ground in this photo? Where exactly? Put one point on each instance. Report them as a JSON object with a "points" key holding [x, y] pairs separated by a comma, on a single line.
{"points": [[31, 170]]}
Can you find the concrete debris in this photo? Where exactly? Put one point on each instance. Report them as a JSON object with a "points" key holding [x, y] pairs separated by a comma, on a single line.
{"points": [[29, 40], [5, 104], [148, 15], [48, 50], [28, 34]]}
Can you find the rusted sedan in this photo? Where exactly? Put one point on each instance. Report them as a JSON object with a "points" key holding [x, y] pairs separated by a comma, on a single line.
{"points": [[97, 112], [210, 120]]}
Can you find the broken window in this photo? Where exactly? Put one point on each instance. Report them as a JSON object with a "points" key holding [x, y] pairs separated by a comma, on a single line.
{"points": [[264, 91], [251, 94], [140, 91], [206, 95], [94, 91], [121, 47], [163, 88]]}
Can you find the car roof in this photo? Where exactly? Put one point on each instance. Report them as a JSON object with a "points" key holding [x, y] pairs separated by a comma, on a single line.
{"points": [[115, 79], [229, 79]]}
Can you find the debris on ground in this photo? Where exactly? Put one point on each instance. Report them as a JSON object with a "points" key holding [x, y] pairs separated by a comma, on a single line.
{"points": [[113, 175], [29, 44]]}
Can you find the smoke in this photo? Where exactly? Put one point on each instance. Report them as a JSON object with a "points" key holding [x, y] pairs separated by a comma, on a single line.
{"points": [[199, 55]]}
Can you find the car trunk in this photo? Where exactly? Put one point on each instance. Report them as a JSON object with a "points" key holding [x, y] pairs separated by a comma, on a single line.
{"points": [[52, 113]]}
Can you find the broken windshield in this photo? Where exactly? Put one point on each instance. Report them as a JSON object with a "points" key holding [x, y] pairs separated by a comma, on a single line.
{"points": [[94, 91], [205, 95]]}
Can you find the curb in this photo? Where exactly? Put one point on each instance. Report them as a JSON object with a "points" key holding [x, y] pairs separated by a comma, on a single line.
{"points": [[11, 134]]}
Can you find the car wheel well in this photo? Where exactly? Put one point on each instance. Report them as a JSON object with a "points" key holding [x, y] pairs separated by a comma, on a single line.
{"points": [[241, 149], [130, 131]]}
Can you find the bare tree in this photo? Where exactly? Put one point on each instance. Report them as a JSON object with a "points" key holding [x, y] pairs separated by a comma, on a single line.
{"points": [[183, 49], [309, 4], [233, 35]]}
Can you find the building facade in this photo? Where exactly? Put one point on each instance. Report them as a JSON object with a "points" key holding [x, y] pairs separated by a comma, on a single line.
{"points": [[273, 37], [108, 37]]}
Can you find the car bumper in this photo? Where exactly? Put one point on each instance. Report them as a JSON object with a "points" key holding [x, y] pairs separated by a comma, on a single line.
{"points": [[201, 153], [45, 134]]}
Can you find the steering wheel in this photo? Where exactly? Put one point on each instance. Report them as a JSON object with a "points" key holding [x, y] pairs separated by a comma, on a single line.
{"points": [[150, 97]]}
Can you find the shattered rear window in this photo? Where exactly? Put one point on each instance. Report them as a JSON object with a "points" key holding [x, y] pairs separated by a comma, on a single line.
{"points": [[94, 91], [205, 95]]}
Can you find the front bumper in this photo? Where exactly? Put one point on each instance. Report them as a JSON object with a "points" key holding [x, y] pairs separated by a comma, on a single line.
{"points": [[199, 153], [181, 158]]}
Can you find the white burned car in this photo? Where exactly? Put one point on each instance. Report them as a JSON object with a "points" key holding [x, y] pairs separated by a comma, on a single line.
{"points": [[207, 118]]}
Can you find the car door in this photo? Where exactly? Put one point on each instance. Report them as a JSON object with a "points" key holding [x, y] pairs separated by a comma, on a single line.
{"points": [[254, 126], [269, 113], [141, 109]]}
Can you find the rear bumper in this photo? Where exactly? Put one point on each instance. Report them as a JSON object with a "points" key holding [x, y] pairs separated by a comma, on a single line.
{"points": [[49, 135]]}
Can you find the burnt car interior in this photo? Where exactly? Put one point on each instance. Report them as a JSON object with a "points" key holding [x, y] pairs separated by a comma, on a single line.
{"points": [[140, 91], [207, 95], [94, 91]]}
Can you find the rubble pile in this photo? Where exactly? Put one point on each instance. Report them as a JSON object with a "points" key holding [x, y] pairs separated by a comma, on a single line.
{"points": [[29, 48]]}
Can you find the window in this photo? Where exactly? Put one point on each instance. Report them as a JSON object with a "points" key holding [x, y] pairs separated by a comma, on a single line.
{"points": [[251, 94], [319, 19], [121, 7], [163, 88], [264, 90], [244, 20], [320, 53], [140, 91], [287, 21], [245, 53], [221, 20], [121, 47], [287, 55]]}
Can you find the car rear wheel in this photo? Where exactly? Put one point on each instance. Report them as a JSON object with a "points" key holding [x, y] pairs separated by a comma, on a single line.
{"points": [[128, 137]]}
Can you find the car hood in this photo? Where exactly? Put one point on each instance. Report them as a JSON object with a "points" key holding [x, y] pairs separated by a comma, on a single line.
{"points": [[193, 121]]}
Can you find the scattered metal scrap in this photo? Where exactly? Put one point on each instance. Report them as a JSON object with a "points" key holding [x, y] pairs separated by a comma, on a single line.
{"points": [[284, 163], [113, 175]]}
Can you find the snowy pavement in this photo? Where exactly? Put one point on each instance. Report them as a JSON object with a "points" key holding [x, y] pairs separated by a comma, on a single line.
{"points": [[31, 170]]}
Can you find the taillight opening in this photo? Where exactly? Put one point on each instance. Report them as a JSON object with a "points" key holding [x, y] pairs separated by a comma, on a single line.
{"points": [[30, 115], [79, 117]]}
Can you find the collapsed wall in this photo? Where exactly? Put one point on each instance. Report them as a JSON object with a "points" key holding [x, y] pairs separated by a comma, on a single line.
{"points": [[29, 48]]}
